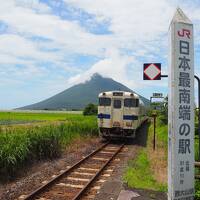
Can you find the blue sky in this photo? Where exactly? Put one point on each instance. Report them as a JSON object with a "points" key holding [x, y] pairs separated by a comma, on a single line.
{"points": [[47, 46]]}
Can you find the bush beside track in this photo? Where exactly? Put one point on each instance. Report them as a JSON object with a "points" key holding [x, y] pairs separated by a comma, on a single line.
{"points": [[22, 145]]}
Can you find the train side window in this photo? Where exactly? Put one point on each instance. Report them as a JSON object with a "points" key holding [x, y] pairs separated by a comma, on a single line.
{"points": [[117, 103], [104, 101], [131, 103]]}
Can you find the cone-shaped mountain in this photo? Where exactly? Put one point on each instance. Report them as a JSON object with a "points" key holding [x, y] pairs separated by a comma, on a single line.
{"points": [[78, 96]]}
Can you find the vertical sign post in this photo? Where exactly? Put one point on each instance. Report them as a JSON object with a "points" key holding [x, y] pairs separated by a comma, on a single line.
{"points": [[181, 109], [154, 131]]}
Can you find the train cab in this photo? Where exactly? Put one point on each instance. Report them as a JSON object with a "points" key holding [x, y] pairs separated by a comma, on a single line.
{"points": [[119, 114]]}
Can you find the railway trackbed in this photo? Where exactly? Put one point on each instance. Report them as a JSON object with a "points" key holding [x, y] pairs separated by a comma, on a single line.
{"points": [[81, 180]]}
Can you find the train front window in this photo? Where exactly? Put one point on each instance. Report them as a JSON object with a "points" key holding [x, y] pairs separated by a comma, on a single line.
{"points": [[137, 102], [104, 101], [117, 103], [130, 103]]}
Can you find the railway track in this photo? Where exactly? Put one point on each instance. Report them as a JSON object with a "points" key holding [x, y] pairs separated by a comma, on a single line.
{"points": [[76, 182]]}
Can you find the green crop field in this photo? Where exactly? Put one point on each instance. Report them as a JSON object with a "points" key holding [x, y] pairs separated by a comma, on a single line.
{"points": [[20, 145], [7, 118]]}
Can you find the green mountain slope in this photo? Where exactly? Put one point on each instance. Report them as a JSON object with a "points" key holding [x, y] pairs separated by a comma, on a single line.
{"points": [[78, 96]]}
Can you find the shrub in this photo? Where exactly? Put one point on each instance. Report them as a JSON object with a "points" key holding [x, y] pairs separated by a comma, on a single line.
{"points": [[45, 142], [197, 189], [14, 150], [90, 109]]}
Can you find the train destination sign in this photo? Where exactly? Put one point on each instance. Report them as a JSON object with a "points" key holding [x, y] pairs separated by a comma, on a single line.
{"points": [[157, 95], [152, 71], [181, 109]]}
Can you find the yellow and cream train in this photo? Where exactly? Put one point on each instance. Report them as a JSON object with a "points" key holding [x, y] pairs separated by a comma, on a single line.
{"points": [[120, 114]]}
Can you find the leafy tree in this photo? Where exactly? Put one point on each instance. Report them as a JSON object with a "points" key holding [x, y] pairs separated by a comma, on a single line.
{"points": [[164, 111], [90, 109]]}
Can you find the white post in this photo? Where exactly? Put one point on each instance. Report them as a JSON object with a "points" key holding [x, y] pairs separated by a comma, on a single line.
{"points": [[181, 109]]}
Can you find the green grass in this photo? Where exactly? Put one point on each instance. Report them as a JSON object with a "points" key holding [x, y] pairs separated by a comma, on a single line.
{"points": [[10, 117], [161, 135], [21, 145], [138, 174], [196, 147], [197, 190]]}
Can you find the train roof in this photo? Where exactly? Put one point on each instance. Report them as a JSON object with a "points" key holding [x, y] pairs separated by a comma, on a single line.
{"points": [[118, 93]]}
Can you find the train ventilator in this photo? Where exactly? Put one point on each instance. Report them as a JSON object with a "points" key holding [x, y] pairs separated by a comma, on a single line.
{"points": [[120, 114]]}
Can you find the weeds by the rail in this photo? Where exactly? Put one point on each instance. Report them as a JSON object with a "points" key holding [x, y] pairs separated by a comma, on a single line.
{"points": [[20, 146], [158, 157], [139, 175]]}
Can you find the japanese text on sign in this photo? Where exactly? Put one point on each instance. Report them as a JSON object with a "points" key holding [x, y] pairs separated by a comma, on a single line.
{"points": [[181, 109], [184, 143]]}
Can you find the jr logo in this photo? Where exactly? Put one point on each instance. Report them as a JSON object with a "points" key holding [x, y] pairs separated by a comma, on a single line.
{"points": [[184, 32]]}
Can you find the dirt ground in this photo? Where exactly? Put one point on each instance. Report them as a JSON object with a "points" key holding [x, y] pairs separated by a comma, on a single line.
{"points": [[32, 177]]}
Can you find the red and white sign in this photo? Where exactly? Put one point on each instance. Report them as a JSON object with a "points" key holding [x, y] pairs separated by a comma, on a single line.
{"points": [[152, 71]]}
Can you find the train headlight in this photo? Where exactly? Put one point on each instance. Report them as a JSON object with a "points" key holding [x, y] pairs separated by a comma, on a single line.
{"points": [[129, 124]]}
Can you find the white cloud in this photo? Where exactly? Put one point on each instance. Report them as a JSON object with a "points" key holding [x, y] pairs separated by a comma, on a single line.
{"points": [[138, 34], [139, 26], [117, 66], [131, 19], [18, 46], [65, 34], [113, 65]]}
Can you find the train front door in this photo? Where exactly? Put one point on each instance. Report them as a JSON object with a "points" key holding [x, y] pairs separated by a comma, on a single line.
{"points": [[117, 113]]}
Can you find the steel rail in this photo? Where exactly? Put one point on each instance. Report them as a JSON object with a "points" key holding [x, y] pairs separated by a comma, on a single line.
{"points": [[41, 189], [85, 188]]}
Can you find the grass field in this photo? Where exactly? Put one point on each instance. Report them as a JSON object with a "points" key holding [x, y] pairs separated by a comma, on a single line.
{"points": [[20, 145], [7, 118]]}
